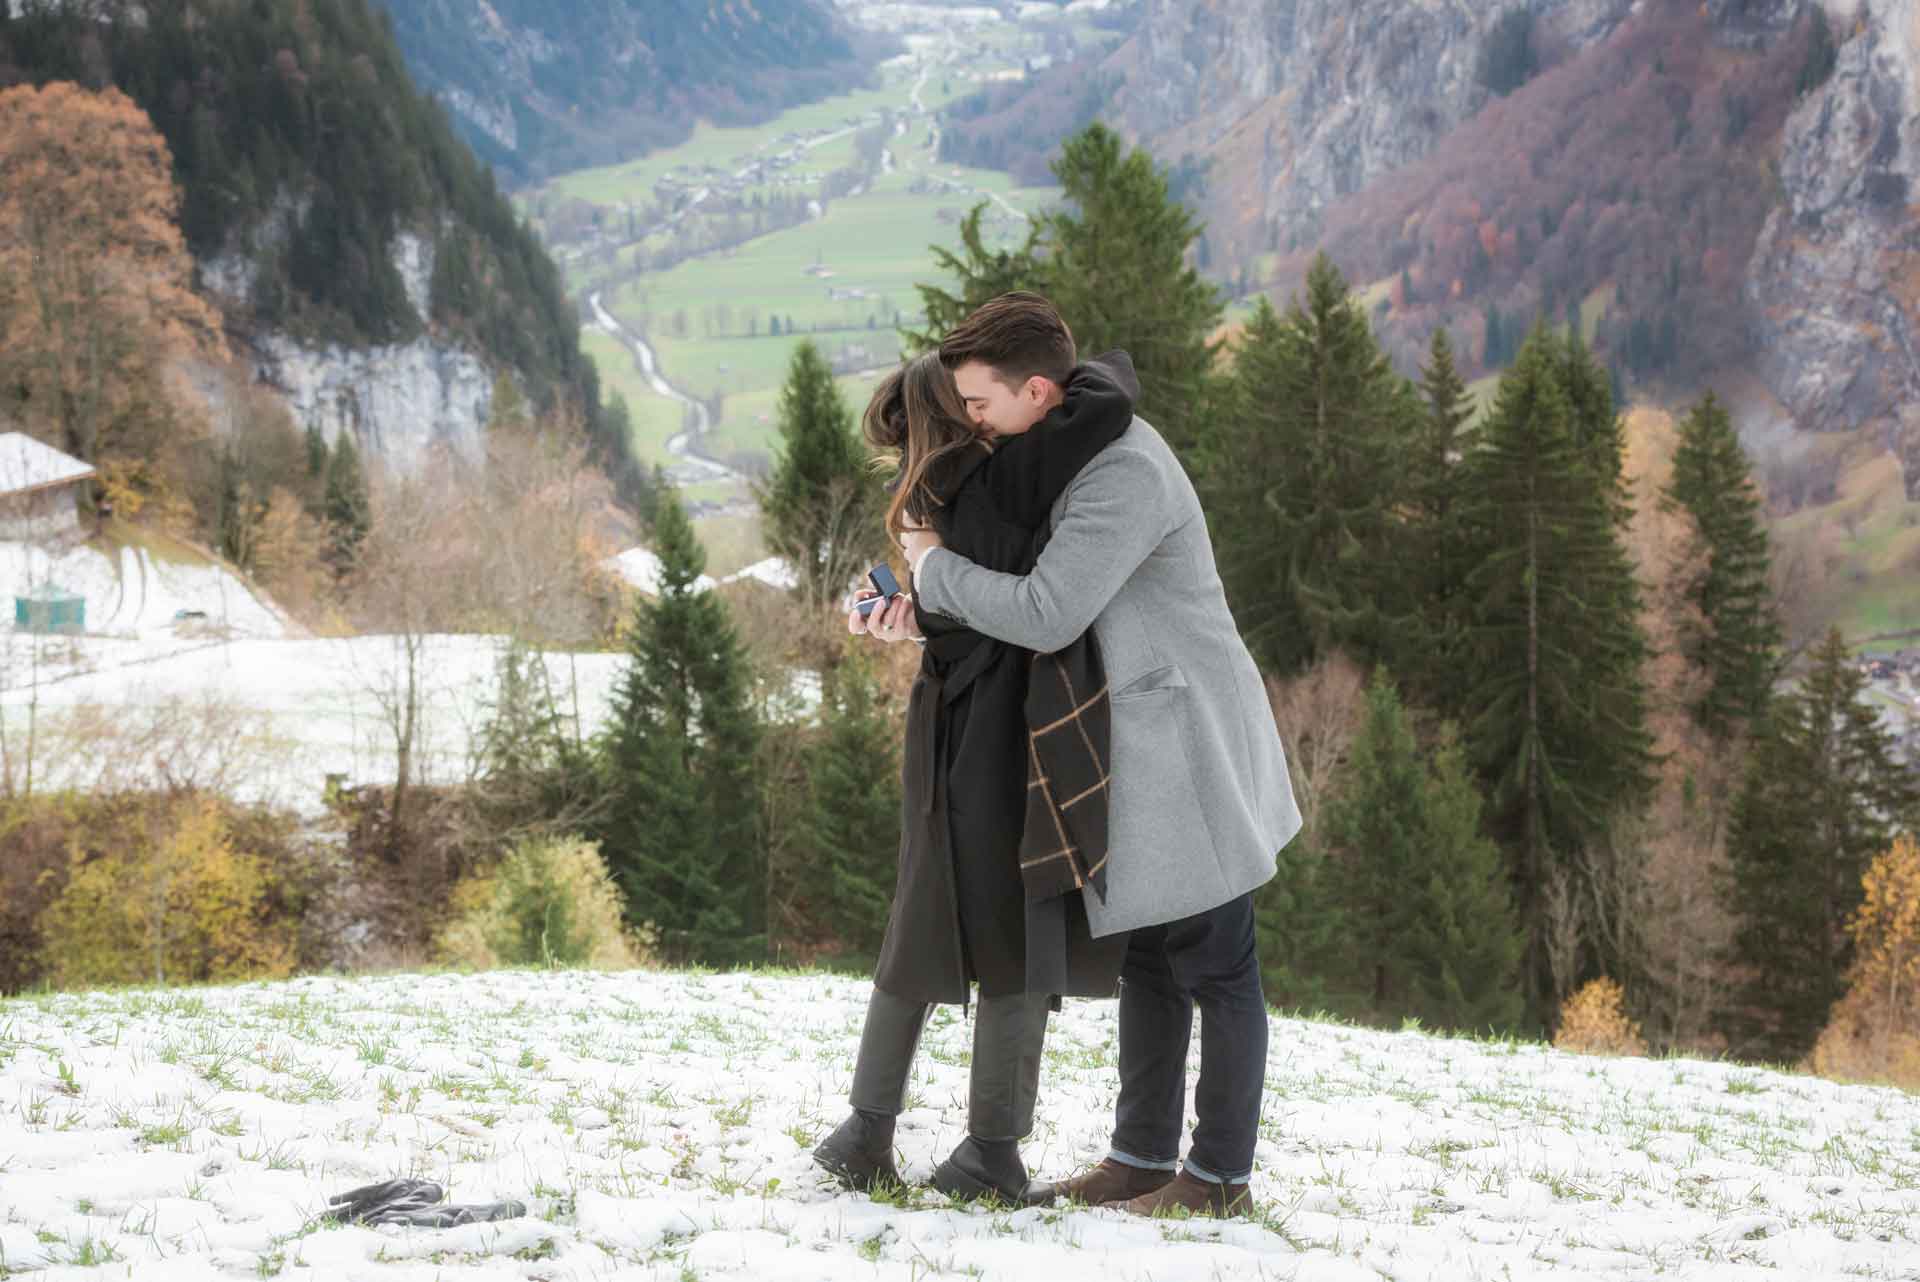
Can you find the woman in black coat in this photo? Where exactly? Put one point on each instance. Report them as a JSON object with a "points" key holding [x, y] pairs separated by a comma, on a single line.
{"points": [[960, 914]]}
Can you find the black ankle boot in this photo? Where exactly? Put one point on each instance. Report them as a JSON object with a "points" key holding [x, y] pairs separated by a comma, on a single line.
{"points": [[986, 1168], [859, 1153]]}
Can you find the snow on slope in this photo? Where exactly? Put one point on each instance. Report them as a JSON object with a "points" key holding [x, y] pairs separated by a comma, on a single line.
{"points": [[132, 593], [319, 705], [657, 1126]]}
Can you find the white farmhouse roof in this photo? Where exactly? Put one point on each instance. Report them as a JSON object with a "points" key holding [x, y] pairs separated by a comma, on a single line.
{"points": [[27, 464]]}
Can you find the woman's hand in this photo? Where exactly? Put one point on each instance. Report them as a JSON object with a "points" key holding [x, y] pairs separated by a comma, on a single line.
{"points": [[894, 622]]}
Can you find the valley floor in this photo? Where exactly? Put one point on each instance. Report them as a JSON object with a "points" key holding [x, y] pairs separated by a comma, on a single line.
{"points": [[657, 1125]]}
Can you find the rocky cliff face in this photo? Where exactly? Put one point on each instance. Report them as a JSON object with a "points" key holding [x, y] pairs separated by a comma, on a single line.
{"points": [[1835, 278], [1302, 102], [398, 399], [1299, 104]]}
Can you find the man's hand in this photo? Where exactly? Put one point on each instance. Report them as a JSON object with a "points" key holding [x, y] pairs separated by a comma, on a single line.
{"points": [[895, 622]]}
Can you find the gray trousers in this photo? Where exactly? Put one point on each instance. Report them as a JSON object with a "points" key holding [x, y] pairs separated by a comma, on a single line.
{"points": [[1008, 1033]]}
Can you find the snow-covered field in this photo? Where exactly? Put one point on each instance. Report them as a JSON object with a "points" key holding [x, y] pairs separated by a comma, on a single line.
{"points": [[657, 1126], [240, 700], [133, 595], [286, 710]]}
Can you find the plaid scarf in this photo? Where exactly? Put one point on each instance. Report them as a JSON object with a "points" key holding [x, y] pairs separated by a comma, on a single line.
{"points": [[1069, 736]]}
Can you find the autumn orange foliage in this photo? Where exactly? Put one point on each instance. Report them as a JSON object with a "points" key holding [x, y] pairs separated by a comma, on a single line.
{"points": [[1874, 1032], [97, 305], [1594, 1022]]}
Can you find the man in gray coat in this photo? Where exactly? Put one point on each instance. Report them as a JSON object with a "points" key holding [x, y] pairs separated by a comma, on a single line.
{"points": [[1200, 800]]}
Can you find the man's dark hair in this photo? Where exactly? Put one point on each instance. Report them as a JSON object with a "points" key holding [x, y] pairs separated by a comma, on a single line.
{"points": [[1016, 335]]}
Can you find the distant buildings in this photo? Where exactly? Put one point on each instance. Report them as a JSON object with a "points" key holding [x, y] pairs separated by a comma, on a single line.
{"points": [[41, 490]]}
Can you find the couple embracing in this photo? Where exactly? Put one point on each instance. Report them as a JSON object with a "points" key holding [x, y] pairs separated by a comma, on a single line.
{"points": [[1094, 784]]}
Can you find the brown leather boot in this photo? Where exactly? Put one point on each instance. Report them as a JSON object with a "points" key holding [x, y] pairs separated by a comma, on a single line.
{"points": [[1110, 1181], [1194, 1196]]}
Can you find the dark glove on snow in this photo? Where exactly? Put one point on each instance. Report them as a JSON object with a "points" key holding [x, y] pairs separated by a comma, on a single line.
{"points": [[414, 1202], [368, 1203], [451, 1215]]}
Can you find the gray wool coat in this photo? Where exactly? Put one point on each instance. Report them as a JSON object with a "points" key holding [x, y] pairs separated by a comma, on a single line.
{"points": [[1200, 801]]}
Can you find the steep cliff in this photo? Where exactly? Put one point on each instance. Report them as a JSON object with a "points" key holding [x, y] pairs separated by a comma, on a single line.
{"points": [[1834, 281], [1720, 186], [398, 399], [1299, 103]]}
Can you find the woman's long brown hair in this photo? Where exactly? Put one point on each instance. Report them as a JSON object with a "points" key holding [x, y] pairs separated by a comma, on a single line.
{"points": [[915, 419]]}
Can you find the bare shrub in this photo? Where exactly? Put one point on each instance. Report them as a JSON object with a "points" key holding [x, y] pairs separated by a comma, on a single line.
{"points": [[507, 544], [393, 879], [182, 743]]}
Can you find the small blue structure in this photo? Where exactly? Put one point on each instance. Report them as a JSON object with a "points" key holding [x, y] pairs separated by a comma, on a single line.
{"points": [[50, 609]]}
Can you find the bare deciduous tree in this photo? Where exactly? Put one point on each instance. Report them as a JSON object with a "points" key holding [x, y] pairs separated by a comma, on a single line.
{"points": [[509, 543], [1318, 713]]}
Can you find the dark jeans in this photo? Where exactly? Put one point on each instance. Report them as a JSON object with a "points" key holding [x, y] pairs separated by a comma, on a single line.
{"points": [[1207, 960], [1008, 1034]]}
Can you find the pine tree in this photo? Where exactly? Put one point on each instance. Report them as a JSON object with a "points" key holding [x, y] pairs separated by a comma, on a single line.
{"points": [[1736, 640], [534, 777], [1374, 830], [347, 508], [1422, 893], [1435, 560], [1113, 259], [821, 507], [1552, 692], [1464, 948], [851, 831], [981, 274], [677, 757], [317, 454], [1116, 267], [1305, 475], [1299, 931], [1823, 795], [1597, 429]]}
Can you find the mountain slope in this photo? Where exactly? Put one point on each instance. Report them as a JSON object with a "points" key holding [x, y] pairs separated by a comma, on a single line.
{"points": [[332, 208], [1719, 189], [541, 87]]}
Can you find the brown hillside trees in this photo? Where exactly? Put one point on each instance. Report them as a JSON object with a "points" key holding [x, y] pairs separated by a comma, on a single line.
{"points": [[96, 298]]}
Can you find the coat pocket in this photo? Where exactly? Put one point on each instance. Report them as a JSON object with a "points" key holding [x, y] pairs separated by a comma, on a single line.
{"points": [[1169, 677]]}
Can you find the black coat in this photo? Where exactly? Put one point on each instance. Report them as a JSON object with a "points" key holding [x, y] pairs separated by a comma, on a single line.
{"points": [[960, 911]]}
